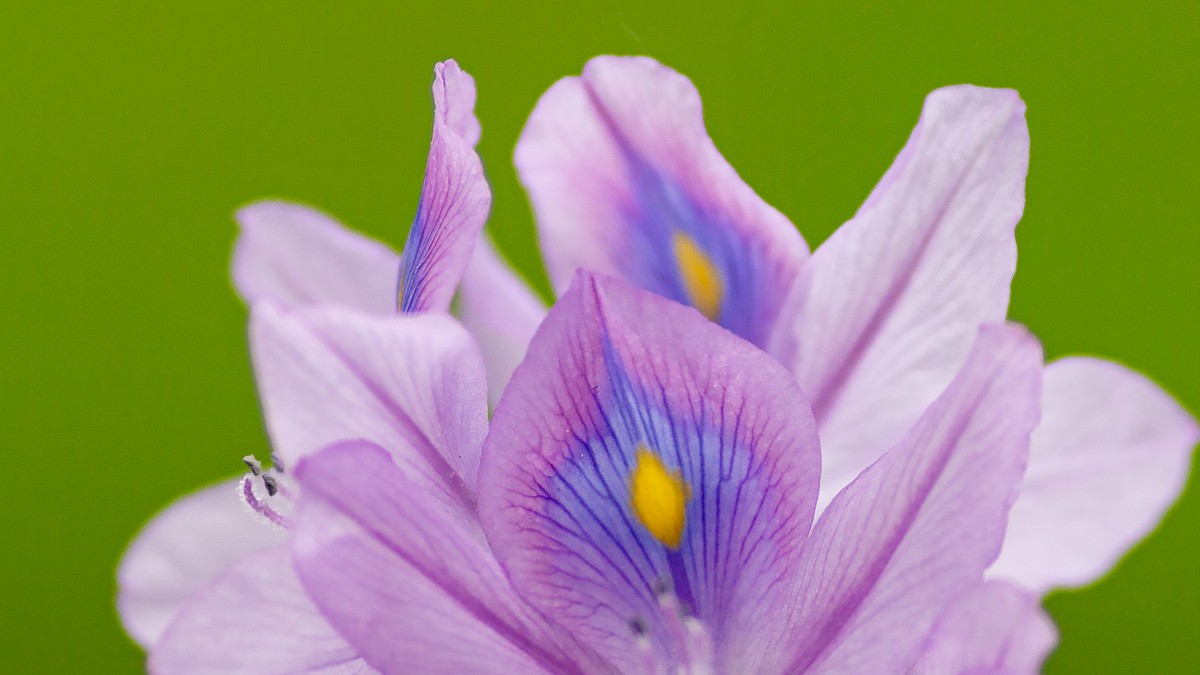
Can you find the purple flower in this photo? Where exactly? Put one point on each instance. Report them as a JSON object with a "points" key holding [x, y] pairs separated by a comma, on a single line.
{"points": [[645, 497], [643, 504]]}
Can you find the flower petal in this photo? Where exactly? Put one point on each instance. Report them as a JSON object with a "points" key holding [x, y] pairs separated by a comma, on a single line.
{"points": [[884, 313], [413, 384], [454, 198], [1110, 456], [500, 311], [295, 255], [920, 525], [412, 585], [640, 450], [253, 619], [625, 180], [996, 628], [181, 549]]}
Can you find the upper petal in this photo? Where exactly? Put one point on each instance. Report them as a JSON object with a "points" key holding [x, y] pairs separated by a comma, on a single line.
{"points": [[920, 525], [885, 311], [455, 198], [994, 629], [625, 180], [295, 255], [413, 384], [182, 549], [641, 450], [500, 311], [253, 619], [411, 584], [1110, 456]]}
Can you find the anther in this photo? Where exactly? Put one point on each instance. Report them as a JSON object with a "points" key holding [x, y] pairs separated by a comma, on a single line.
{"points": [[253, 464], [271, 483], [277, 463], [662, 587], [641, 641]]}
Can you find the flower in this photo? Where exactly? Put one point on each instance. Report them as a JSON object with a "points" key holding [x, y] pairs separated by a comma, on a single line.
{"points": [[554, 568], [874, 325], [586, 533]]}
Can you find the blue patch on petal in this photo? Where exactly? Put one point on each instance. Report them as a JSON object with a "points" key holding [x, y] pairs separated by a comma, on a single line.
{"points": [[662, 210], [415, 261], [605, 553]]}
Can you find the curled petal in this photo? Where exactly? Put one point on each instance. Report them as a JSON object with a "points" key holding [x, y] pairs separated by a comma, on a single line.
{"points": [[994, 629], [413, 384], [920, 525], [884, 313], [180, 550], [254, 618], [500, 311], [454, 199], [625, 180], [643, 461], [1110, 456], [411, 585], [294, 255]]}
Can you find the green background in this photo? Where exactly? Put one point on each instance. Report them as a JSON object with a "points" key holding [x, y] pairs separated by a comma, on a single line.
{"points": [[129, 134]]}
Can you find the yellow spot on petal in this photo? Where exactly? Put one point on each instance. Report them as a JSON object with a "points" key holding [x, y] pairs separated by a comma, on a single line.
{"points": [[658, 497], [700, 276]]}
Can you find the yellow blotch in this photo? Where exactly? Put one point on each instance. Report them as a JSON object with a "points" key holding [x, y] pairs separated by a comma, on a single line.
{"points": [[700, 276], [658, 497]]}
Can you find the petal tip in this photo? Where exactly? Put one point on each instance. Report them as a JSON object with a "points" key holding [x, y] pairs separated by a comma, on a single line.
{"points": [[454, 100], [968, 99]]}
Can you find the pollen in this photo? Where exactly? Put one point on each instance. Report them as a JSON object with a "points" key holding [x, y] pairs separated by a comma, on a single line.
{"points": [[700, 277], [658, 497]]}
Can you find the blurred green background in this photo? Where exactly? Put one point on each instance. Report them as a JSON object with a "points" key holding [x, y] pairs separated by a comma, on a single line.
{"points": [[128, 135]]}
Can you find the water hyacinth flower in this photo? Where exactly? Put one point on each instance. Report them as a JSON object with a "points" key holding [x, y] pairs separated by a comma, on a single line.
{"points": [[642, 504], [625, 180], [417, 547]]}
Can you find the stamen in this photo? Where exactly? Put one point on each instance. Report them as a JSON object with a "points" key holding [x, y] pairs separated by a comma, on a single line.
{"points": [[641, 641], [699, 648], [672, 614], [689, 649], [271, 483], [261, 507], [277, 463], [253, 464]]}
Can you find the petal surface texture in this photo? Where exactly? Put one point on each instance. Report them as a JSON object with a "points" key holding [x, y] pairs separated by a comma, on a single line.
{"points": [[1110, 456], [920, 525], [995, 629], [455, 199], [253, 619], [624, 180], [183, 548], [412, 585], [885, 311], [414, 384], [644, 458], [295, 255], [501, 312]]}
